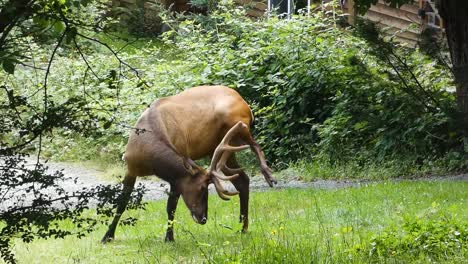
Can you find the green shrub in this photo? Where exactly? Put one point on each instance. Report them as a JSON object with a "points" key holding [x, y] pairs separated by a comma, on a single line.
{"points": [[145, 21], [111, 95], [319, 90], [435, 234]]}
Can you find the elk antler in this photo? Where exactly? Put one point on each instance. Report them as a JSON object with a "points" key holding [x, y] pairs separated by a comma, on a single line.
{"points": [[221, 154]]}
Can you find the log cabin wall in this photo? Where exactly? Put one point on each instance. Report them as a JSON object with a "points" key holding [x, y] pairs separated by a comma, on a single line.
{"points": [[407, 22], [404, 22]]}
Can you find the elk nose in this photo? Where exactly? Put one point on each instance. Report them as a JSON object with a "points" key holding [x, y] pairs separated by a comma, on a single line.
{"points": [[203, 221]]}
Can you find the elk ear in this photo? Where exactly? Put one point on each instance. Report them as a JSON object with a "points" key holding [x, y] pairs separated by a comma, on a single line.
{"points": [[188, 167], [191, 167]]}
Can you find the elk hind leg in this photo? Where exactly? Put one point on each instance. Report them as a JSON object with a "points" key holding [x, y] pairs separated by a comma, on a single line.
{"points": [[266, 171]]}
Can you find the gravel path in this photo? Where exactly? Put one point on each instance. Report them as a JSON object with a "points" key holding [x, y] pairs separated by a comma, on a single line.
{"points": [[78, 177], [88, 177], [157, 189]]}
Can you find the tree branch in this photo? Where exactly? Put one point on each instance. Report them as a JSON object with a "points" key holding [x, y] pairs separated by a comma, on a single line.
{"points": [[46, 77], [116, 55]]}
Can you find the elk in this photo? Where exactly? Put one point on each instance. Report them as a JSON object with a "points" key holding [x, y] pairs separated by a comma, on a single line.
{"points": [[173, 132]]}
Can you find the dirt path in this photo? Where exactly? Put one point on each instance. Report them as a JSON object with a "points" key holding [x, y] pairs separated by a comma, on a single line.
{"points": [[78, 177], [156, 189], [88, 177]]}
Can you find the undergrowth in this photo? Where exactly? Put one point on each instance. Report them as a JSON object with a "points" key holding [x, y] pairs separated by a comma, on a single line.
{"points": [[334, 102], [319, 168]]}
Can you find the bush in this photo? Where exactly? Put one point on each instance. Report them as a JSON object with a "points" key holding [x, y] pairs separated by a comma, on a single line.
{"points": [[145, 21], [316, 89], [435, 234], [318, 92]]}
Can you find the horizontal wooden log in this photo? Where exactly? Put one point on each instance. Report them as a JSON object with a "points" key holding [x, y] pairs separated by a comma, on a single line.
{"points": [[399, 13], [395, 31], [261, 6], [391, 21], [244, 2], [412, 8], [409, 42]]}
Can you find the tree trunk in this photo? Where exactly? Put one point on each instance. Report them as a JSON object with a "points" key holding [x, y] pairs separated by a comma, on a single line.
{"points": [[455, 18]]}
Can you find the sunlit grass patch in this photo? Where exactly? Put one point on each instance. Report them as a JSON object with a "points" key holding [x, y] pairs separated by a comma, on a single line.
{"points": [[362, 168], [286, 226]]}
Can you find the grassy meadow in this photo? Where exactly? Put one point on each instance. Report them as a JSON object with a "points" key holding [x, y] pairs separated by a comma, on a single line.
{"points": [[388, 222]]}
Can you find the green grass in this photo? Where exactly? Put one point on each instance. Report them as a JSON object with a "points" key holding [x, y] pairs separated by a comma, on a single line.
{"points": [[399, 167], [287, 226]]}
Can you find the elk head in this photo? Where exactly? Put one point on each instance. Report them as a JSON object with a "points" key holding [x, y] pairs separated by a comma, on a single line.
{"points": [[194, 189]]}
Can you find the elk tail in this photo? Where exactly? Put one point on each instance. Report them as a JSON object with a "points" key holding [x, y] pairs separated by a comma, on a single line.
{"points": [[252, 121]]}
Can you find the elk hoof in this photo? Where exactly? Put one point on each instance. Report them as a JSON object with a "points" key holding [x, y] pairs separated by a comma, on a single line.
{"points": [[272, 181], [169, 239], [268, 176], [169, 236], [107, 239], [243, 231]]}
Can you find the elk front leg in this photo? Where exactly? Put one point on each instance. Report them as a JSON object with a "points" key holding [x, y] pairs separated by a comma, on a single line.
{"points": [[242, 185], [122, 200], [171, 208]]}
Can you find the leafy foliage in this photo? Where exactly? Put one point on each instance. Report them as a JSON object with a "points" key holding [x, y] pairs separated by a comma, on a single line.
{"points": [[145, 20], [318, 88], [396, 110], [436, 234], [203, 6], [43, 20], [315, 89], [32, 198]]}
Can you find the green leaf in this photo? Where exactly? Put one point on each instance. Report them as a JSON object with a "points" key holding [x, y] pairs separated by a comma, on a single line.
{"points": [[9, 66], [41, 22], [59, 27], [71, 34], [108, 124], [85, 2]]}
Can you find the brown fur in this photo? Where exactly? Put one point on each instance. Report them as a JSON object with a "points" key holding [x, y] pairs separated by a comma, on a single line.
{"points": [[176, 130]]}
